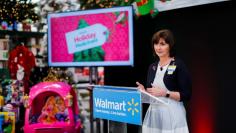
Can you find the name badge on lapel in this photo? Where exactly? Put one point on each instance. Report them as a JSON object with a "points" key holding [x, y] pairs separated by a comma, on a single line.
{"points": [[171, 69]]}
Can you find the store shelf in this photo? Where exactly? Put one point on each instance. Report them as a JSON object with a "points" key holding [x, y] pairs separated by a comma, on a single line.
{"points": [[22, 33]]}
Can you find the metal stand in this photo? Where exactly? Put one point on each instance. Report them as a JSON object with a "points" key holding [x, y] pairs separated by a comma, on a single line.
{"points": [[93, 76], [108, 126], [91, 100]]}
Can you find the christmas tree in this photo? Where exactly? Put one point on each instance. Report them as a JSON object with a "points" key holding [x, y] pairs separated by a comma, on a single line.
{"points": [[17, 10], [92, 4]]}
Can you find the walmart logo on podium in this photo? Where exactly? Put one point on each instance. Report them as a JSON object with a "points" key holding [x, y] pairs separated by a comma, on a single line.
{"points": [[117, 104], [133, 106]]}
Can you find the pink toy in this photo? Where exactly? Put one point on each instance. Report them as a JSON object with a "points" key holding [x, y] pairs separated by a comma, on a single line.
{"points": [[52, 107]]}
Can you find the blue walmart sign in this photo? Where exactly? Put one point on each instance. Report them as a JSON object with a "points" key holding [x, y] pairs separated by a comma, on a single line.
{"points": [[118, 104]]}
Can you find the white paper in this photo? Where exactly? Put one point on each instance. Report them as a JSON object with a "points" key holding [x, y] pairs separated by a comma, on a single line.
{"points": [[148, 98]]}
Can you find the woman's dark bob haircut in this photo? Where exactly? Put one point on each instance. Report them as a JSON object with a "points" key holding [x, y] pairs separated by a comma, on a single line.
{"points": [[168, 36]]}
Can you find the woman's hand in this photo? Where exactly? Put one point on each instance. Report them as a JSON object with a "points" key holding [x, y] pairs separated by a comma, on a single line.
{"points": [[156, 91], [140, 86]]}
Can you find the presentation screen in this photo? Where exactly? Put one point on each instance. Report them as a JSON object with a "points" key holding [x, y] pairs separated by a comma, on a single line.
{"points": [[97, 37]]}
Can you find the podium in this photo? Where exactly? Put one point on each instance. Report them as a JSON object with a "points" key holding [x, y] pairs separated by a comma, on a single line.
{"points": [[121, 104]]}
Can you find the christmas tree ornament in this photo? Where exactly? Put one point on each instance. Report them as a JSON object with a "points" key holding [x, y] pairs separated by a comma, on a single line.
{"points": [[19, 26], [4, 25], [21, 57]]}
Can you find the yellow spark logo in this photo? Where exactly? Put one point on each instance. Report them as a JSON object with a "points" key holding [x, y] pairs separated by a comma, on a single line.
{"points": [[133, 106]]}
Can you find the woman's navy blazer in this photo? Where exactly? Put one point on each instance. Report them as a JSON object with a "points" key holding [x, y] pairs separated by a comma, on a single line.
{"points": [[179, 80]]}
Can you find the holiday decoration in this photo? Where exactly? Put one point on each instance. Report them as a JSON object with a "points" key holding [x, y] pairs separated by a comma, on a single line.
{"points": [[26, 25], [58, 74], [17, 10], [49, 6], [22, 56], [91, 4], [141, 7], [4, 25], [52, 76], [20, 63], [19, 27], [144, 7]]}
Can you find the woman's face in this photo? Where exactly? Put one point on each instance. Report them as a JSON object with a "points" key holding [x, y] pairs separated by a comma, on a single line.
{"points": [[162, 49]]}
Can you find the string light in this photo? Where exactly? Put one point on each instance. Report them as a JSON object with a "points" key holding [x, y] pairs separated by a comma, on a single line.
{"points": [[12, 10], [90, 4]]}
